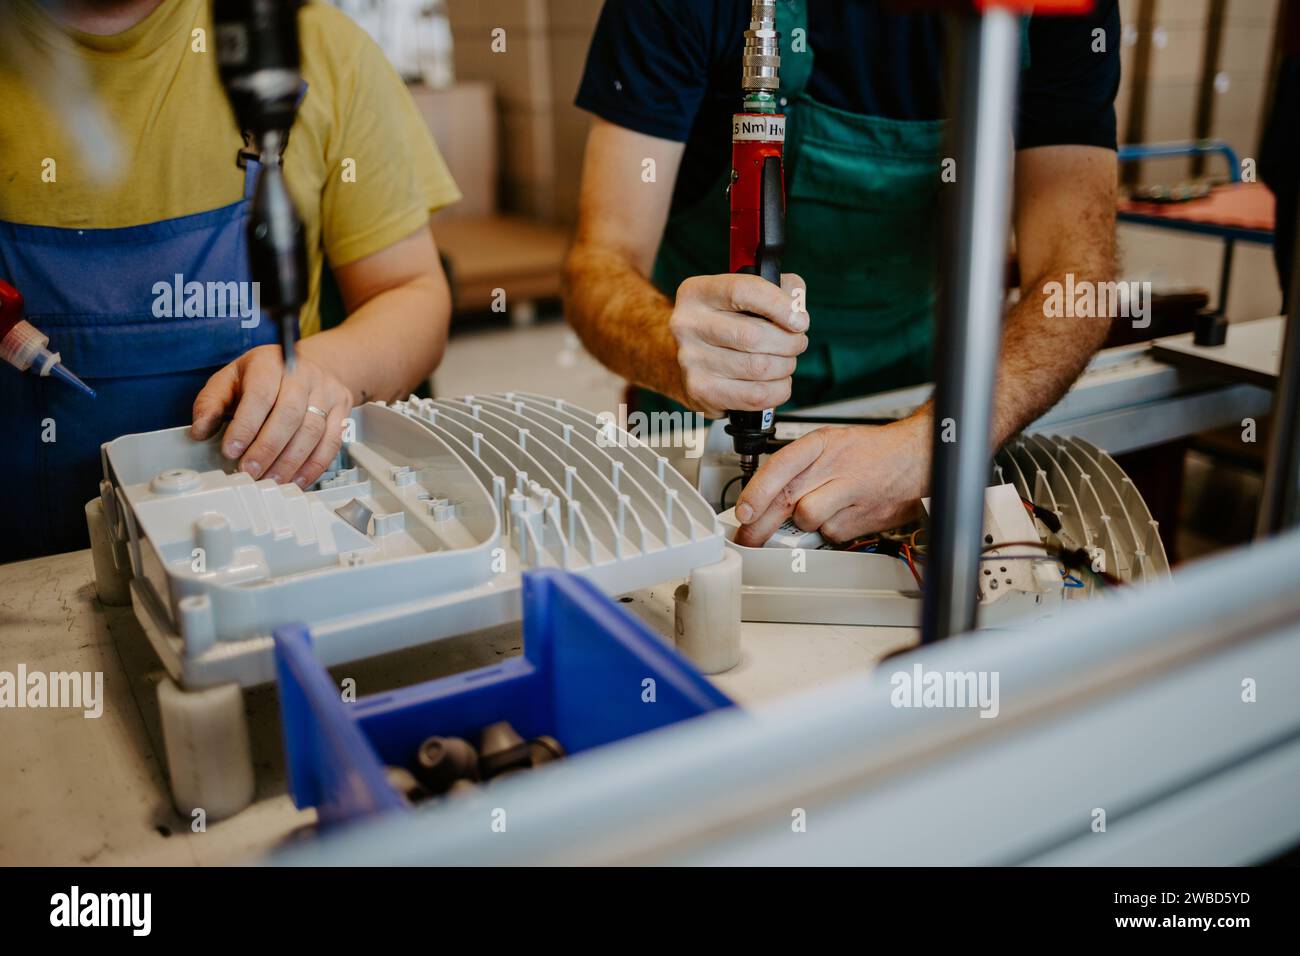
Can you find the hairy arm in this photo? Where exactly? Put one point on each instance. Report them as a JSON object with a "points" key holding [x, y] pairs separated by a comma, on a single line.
{"points": [[1065, 224], [726, 341], [618, 314]]}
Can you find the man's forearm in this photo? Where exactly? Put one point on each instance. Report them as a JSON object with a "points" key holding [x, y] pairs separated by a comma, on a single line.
{"points": [[387, 346], [621, 318], [1065, 227], [1041, 357], [1039, 361]]}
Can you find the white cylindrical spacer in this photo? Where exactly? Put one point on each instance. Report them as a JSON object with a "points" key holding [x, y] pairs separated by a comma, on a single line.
{"points": [[707, 615], [209, 758], [112, 571]]}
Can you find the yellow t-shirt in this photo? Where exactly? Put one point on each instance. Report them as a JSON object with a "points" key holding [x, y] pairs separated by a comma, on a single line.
{"points": [[361, 165]]}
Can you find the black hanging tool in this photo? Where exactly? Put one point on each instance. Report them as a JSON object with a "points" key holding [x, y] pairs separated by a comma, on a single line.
{"points": [[258, 60]]}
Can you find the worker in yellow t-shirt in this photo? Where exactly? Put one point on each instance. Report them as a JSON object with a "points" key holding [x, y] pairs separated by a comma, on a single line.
{"points": [[139, 273]]}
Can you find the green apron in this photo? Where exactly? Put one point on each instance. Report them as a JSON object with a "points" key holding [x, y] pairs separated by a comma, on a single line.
{"points": [[861, 208]]}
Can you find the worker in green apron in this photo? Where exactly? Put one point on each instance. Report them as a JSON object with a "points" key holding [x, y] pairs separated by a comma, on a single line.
{"points": [[861, 193], [861, 89]]}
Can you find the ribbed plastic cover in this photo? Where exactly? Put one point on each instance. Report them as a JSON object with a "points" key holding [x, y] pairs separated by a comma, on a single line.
{"points": [[576, 490], [420, 530], [1100, 508]]}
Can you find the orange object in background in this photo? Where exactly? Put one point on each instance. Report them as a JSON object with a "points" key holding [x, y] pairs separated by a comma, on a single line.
{"points": [[1244, 206]]}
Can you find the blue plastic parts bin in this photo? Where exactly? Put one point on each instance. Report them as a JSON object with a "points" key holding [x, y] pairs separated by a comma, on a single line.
{"points": [[581, 679]]}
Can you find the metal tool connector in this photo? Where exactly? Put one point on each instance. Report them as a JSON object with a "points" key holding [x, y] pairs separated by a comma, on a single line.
{"points": [[762, 58]]}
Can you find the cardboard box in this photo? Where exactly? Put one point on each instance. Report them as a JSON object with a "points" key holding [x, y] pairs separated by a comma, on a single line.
{"points": [[464, 125], [502, 257]]}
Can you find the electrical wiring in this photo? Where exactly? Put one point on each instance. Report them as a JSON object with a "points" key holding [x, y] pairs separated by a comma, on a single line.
{"points": [[907, 555], [897, 547], [1068, 580], [1012, 544], [909, 547], [722, 498], [906, 549], [1050, 519], [1076, 559], [859, 544]]}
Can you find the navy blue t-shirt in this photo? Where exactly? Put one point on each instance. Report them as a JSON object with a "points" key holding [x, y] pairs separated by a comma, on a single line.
{"points": [[671, 69]]}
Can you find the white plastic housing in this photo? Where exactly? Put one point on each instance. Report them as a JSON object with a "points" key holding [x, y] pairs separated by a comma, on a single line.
{"points": [[420, 531]]}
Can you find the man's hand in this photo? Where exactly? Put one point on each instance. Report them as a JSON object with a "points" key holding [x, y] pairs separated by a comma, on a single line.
{"points": [[737, 338], [274, 432], [726, 342], [841, 481]]}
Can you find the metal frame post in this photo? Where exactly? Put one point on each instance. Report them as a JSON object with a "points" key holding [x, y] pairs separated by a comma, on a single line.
{"points": [[1279, 507], [1225, 277], [969, 320]]}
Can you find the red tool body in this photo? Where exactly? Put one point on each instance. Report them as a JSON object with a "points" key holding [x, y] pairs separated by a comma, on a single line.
{"points": [[755, 138], [757, 195]]}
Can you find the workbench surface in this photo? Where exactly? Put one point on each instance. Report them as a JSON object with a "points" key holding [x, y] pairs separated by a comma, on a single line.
{"points": [[84, 790]]}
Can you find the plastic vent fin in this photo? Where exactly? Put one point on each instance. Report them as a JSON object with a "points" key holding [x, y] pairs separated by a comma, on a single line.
{"points": [[1100, 509]]}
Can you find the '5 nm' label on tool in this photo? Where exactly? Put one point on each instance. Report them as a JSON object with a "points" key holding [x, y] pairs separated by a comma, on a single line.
{"points": [[755, 127]]}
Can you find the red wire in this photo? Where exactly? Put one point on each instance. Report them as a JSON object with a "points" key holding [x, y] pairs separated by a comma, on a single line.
{"points": [[907, 555]]}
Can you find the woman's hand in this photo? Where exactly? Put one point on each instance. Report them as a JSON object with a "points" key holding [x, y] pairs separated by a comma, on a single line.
{"points": [[285, 426]]}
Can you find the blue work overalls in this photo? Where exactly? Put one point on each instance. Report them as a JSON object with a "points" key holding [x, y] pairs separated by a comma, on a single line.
{"points": [[92, 291]]}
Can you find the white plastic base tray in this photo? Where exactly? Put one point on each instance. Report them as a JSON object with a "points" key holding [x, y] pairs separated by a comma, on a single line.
{"points": [[821, 585], [420, 531], [794, 579]]}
